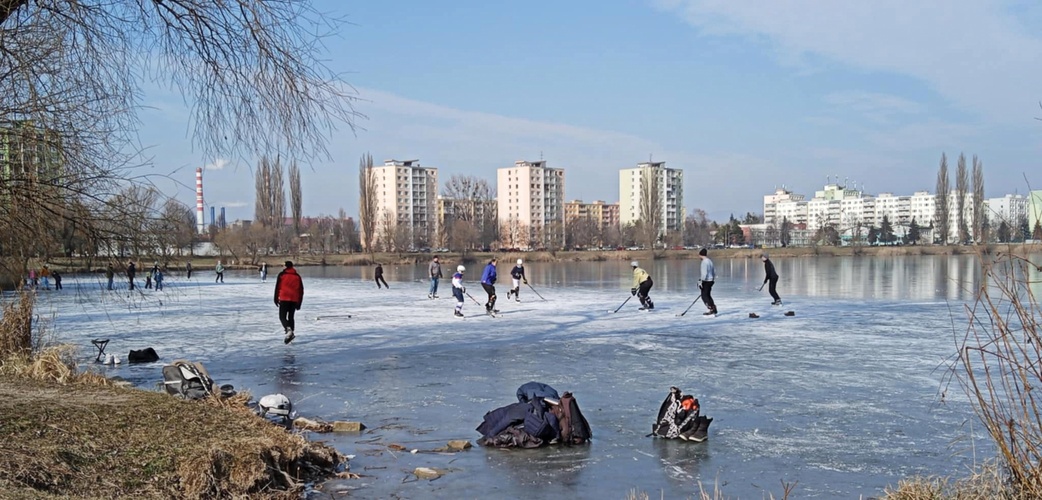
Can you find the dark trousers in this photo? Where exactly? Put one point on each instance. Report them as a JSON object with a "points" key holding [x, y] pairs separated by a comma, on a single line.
{"points": [[491, 291], [220, 277], [131, 278], [642, 292], [189, 274], [380, 279], [286, 311], [773, 288], [707, 295]]}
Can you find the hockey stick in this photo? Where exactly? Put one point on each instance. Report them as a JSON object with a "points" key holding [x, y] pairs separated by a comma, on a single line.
{"points": [[690, 306], [623, 303], [535, 292], [490, 313], [761, 287]]}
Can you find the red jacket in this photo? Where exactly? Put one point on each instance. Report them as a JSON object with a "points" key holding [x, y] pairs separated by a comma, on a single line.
{"points": [[289, 287]]}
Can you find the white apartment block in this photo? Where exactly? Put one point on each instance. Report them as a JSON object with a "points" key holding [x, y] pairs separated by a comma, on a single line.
{"points": [[781, 201], [531, 205], [1010, 209], [922, 208], [671, 194], [896, 209], [406, 195], [846, 208]]}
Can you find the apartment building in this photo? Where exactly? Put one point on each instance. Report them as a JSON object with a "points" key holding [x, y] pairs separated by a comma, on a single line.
{"points": [[782, 205], [668, 196], [406, 200], [531, 205], [29, 151], [604, 214], [1010, 209]]}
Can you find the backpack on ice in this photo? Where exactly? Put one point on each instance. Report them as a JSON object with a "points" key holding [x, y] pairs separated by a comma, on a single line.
{"points": [[187, 380], [574, 427], [146, 355], [679, 419]]}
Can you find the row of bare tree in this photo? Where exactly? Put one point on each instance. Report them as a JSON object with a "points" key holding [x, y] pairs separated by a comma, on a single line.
{"points": [[969, 230]]}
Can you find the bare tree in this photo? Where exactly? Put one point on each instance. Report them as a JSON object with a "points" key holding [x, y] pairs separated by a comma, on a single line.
{"points": [[650, 206], [961, 189], [296, 201], [367, 208], [942, 202], [176, 228], [262, 195], [979, 217], [71, 80], [270, 205]]}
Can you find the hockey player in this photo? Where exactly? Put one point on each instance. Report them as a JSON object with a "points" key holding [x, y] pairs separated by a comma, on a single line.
{"points": [[706, 279], [458, 290], [517, 274], [488, 281], [772, 276], [641, 286]]}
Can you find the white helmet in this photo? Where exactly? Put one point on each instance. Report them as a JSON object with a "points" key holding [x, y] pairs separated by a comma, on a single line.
{"points": [[460, 269], [519, 262], [275, 404], [634, 264]]}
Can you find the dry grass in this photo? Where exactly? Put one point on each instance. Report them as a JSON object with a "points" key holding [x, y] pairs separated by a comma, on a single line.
{"points": [[71, 434], [96, 441], [986, 482]]}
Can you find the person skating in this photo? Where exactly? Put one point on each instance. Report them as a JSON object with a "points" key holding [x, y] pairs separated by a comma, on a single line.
{"points": [[57, 280], [458, 290], [772, 277], [517, 274], [148, 277], [219, 269], [131, 271], [642, 284], [264, 272], [45, 277], [188, 270], [380, 276], [157, 275], [289, 294], [434, 271], [705, 282], [488, 281]]}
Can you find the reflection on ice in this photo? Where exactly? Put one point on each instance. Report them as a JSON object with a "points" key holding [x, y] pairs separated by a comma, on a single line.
{"points": [[843, 397]]}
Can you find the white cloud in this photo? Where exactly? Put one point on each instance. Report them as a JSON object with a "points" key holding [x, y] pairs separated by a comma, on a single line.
{"points": [[217, 164], [975, 53]]}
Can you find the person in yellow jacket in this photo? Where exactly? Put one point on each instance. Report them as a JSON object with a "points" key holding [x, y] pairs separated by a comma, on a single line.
{"points": [[641, 286]]}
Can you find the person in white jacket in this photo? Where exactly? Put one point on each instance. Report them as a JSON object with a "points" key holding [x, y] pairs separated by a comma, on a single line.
{"points": [[458, 290]]}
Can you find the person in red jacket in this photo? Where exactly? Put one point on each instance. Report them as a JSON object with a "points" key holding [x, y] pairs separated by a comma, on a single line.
{"points": [[289, 293]]}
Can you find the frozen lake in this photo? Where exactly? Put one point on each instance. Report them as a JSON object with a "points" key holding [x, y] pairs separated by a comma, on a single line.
{"points": [[844, 398]]}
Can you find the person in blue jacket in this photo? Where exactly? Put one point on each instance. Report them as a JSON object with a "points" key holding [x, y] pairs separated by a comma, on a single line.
{"points": [[488, 280]]}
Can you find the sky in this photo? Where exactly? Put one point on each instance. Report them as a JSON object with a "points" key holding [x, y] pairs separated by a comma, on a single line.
{"points": [[745, 97]]}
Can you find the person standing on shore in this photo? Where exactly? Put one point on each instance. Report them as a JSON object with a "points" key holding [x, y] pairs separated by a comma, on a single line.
{"points": [[380, 276], [705, 282], [264, 272], [434, 270], [109, 274], [488, 281], [772, 277], [458, 290], [642, 284], [219, 269], [289, 294], [131, 271], [517, 274]]}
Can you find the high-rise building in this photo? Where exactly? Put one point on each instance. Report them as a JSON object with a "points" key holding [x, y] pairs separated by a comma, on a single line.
{"points": [[781, 201], [601, 213], [406, 198], [1011, 209], [653, 186], [531, 205], [29, 152]]}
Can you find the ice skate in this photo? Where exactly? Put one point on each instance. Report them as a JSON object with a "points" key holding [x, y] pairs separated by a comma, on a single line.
{"points": [[457, 314], [289, 336]]}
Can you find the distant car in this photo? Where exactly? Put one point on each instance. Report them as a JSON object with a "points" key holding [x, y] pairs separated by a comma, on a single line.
{"points": [[441, 250], [632, 248]]}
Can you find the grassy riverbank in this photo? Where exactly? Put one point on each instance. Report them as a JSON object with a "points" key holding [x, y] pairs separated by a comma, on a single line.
{"points": [[386, 258]]}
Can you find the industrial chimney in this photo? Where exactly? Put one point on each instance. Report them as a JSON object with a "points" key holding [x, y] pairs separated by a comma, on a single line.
{"points": [[199, 223]]}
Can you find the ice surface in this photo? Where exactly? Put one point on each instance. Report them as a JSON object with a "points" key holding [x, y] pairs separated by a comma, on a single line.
{"points": [[844, 398]]}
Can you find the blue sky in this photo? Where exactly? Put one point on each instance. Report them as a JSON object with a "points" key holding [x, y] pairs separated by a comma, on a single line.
{"points": [[744, 96]]}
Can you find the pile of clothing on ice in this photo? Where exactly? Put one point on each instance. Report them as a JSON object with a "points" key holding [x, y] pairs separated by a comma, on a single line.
{"points": [[540, 417], [679, 417]]}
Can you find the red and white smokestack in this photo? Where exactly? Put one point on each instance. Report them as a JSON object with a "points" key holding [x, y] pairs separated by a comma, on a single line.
{"points": [[200, 225]]}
